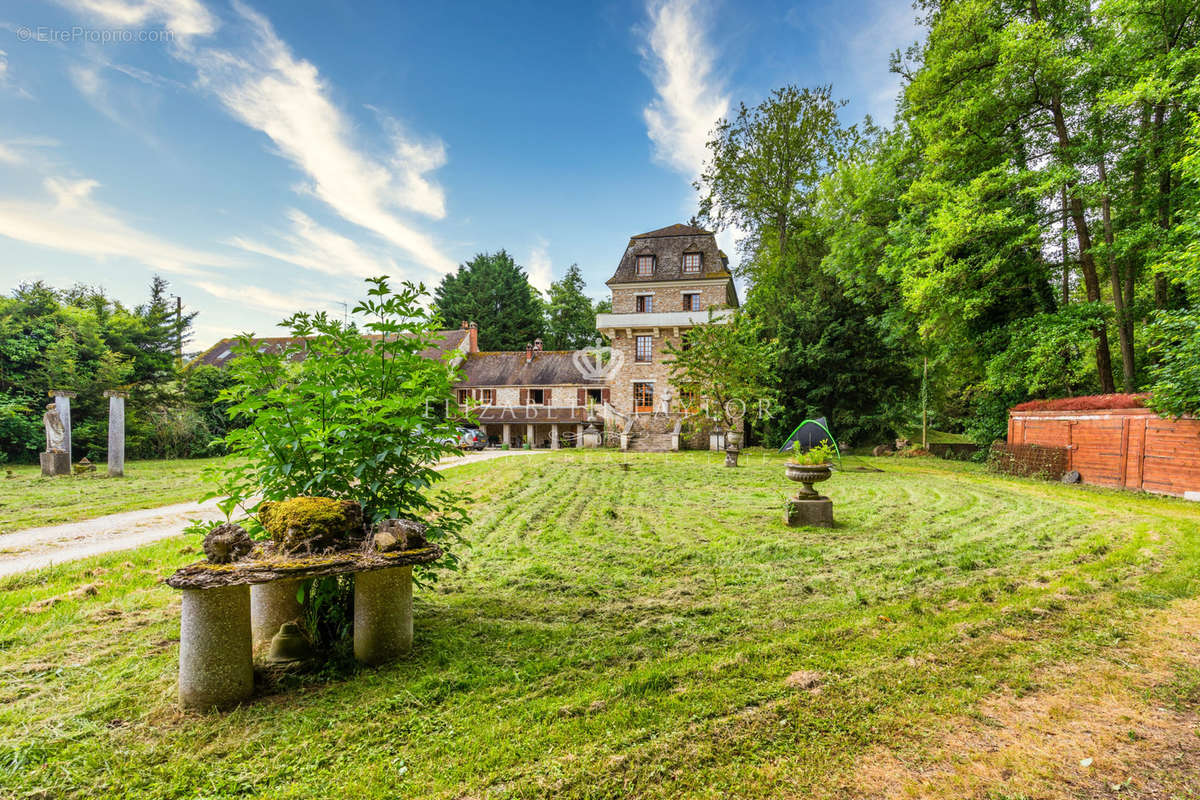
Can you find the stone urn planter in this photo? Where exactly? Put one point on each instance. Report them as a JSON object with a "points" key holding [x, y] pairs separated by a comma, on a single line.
{"points": [[807, 508], [808, 474]]}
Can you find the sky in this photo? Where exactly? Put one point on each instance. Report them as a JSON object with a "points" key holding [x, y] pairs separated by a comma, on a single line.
{"points": [[267, 156]]}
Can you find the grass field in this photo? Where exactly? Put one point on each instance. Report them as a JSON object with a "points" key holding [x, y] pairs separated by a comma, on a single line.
{"points": [[657, 632], [28, 500]]}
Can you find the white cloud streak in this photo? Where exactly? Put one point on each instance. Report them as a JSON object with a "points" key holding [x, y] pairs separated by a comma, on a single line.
{"points": [[689, 96], [183, 18], [285, 303], [266, 87], [74, 222], [313, 246], [541, 271]]}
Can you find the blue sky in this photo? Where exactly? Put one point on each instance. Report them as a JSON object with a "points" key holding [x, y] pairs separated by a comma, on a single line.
{"points": [[265, 157]]}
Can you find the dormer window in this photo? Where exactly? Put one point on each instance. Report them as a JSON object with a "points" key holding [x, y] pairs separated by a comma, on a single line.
{"points": [[645, 266], [691, 263]]}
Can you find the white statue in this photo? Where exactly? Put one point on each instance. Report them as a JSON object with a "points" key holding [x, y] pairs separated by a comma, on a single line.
{"points": [[667, 396], [56, 434]]}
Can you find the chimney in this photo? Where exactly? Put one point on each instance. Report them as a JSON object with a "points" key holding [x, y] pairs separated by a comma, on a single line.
{"points": [[473, 336], [528, 353], [537, 345], [463, 326]]}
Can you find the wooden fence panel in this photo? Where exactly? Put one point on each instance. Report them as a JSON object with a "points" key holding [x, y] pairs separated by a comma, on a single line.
{"points": [[1132, 448]]}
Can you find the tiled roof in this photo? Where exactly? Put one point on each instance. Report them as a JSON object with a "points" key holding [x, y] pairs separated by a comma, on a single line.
{"points": [[678, 229], [221, 353], [547, 368], [668, 245]]}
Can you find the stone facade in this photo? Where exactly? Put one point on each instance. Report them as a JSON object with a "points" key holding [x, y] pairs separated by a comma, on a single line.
{"points": [[669, 296], [543, 398], [656, 266]]}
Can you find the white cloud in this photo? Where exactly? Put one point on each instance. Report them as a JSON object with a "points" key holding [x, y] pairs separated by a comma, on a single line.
{"points": [[266, 87], [312, 246], [690, 98], [276, 300], [270, 90], [541, 272], [75, 223], [6, 78], [8, 155], [183, 18]]}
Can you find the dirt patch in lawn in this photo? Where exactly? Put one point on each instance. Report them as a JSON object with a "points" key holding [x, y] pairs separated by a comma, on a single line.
{"points": [[1126, 726]]}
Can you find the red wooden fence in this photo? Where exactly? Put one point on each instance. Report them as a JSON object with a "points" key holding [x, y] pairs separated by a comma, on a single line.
{"points": [[1133, 448]]}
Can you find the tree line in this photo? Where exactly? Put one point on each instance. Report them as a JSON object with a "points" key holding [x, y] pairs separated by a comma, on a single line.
{"points": [[1026, 226], [494, 292], [81, 340]]}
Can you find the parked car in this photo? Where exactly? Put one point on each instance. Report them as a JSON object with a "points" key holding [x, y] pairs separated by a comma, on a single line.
{"points": [[472, 439], [467, 439]]}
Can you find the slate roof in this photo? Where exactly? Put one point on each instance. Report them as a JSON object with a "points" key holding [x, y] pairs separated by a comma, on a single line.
{"points": [[548, 368], [221, 353], [668, 245], [678, 229]]}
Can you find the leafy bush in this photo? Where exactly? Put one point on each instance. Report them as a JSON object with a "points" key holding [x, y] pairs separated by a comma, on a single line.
{"points": [[171, 432], [822, 453], [21, 433], [345, 412], [349, 412]]}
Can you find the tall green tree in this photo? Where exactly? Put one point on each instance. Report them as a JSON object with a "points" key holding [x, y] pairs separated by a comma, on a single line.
{"points": [[493, 291], [766, 168], [766, 162], [570, 320], [729, 367]]}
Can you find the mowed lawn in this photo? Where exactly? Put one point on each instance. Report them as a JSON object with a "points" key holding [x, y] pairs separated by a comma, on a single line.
{"points": [[657, 632], [28, 500]]}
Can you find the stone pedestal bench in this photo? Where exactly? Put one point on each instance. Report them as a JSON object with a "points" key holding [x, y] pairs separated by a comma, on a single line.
{"points": [[220, 622]]}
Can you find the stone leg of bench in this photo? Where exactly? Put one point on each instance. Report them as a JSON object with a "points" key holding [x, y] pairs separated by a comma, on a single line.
{"points": [[383, 623], [271, 605], [215, 666]]}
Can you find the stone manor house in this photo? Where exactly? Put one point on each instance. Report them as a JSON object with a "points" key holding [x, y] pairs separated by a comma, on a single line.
{"points": [[665, 283]]}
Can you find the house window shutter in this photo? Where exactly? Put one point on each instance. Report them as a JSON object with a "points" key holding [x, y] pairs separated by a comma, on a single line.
{"points": [[546, 397], [581, 397], [604, 395], [524, 397]]}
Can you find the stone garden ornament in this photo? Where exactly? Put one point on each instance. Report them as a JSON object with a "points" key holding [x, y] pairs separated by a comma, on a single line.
{"points": [[56, 434], [56, 460], [815, 465]]}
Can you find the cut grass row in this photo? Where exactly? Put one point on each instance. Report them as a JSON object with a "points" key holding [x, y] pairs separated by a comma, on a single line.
{"points": [[617, 633]]}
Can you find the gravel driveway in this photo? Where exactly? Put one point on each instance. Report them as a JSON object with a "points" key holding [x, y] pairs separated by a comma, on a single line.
{"points": [[34, 548]]}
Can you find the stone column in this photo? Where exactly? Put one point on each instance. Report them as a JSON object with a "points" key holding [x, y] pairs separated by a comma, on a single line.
{"points": [[529, 435], [62, 401], [215, 661], [116, 432], [579, 435], [553, 437], [383, 623], [506, 439], [271, 605]]}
